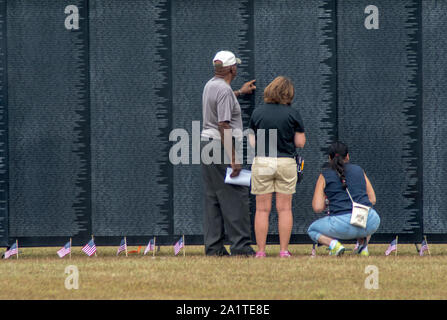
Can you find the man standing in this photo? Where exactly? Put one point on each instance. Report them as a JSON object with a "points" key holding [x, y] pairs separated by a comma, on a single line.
{"points": [[226, 206]]}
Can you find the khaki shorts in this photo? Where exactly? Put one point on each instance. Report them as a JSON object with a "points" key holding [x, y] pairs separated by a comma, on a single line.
{"points": [[270, 175]]}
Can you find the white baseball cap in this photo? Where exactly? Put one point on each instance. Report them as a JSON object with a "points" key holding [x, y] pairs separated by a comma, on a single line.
{"points": [[227, 57]]}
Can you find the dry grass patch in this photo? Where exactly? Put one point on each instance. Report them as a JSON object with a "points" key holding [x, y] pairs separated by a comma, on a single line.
{"points": [[40, 274]]}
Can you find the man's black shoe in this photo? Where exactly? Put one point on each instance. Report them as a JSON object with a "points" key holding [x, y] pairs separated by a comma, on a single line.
{"points": [[247, 252], [219, 253]]}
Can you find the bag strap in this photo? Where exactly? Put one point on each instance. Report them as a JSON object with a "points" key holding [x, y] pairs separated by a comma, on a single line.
{"points": [[349, 195], [351, 198]]}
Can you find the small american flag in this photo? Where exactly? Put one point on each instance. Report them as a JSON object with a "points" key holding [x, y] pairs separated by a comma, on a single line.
{"points": [[392, 247], [90, 248], [424, 246], [12, 251], [314, 252], [150, 246], [178, 246], [122, 247], [65, 250]]}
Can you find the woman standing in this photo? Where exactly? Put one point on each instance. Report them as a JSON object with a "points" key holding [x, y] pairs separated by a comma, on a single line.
{"points": [[334, 183], [275, 171]]}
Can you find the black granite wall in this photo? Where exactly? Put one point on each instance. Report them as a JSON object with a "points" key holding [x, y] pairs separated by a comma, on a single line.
{"points": [[86, 113]]}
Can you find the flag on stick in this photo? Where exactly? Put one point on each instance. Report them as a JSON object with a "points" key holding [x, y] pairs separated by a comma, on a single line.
{"points": [[64, 250], [13, 250], [179, 245], [158, 249], [122, 247], [314, 252], [424, 247], [150, 246], [357, 245], [89, 248], [392, 247], [314, 249]]}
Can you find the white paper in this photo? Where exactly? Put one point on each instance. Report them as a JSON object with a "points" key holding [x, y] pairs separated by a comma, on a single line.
{"points": [[243, 179]]}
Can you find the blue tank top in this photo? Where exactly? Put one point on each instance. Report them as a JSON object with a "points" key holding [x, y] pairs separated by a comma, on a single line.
{"points": [[339, 201]]}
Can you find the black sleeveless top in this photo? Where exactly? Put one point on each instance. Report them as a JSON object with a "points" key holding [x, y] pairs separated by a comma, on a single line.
{"points": [[286, 120], [339, 201]]}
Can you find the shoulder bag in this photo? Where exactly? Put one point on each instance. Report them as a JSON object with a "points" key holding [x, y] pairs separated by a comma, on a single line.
{"points": [[359, 214]]}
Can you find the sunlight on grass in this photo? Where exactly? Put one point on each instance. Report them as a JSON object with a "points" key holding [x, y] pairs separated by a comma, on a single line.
{"points": [[40, 274]]}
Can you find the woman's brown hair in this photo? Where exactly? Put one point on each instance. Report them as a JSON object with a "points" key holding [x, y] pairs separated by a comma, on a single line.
{"points": [[280, 91]]}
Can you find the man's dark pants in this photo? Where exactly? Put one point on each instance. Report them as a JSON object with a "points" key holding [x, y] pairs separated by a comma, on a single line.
{"points": [[226, 208]]}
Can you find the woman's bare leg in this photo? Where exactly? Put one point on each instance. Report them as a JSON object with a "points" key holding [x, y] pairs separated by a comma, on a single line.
{"points": [[325, 240], [263, 207], [285, 219]]}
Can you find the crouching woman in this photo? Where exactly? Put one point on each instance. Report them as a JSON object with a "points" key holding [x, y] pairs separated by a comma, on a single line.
{"points": [[332, 183]]}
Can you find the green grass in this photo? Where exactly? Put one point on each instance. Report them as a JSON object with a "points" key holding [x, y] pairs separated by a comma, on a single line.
{"points": [[40, 274]]}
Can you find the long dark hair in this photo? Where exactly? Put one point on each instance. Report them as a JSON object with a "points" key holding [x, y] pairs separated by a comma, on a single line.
{"points": [[337, 153]]}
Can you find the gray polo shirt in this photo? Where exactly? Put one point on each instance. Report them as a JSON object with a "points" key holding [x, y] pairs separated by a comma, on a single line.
{"points": [[220, 104]]}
